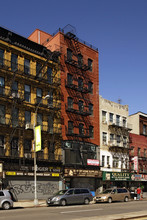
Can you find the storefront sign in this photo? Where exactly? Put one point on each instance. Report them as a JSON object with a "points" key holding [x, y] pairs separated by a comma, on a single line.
{"points": [[116, 176], [93, 162], [9, 173], [136, 163], [139, 177], [82, 173]]}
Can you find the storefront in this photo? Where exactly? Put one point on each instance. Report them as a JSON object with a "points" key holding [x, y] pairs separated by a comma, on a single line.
{"points": [[22, 181], [123, 179], [86, 178]]}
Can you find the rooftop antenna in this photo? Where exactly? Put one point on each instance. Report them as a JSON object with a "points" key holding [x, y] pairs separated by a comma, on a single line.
{"points": [[119, 101]]}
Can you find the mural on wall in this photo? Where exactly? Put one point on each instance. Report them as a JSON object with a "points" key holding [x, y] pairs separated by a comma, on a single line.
{"points": [[25, 189]]}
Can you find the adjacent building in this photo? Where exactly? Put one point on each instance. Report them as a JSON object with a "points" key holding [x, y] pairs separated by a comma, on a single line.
{"points": [[29, 72]]}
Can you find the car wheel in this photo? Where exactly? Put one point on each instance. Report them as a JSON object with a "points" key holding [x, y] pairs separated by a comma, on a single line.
{"points": [[6, 205], [86, 201], [126, 199], [109, 200], [63, 202]]}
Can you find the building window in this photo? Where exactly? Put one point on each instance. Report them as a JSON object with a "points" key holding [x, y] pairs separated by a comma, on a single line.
{"points": [[124, 122], [15, 89], [108, 160], [90, 64], [69, 79], [90, 87], [111, 117], [70, 127], [15, 117], [103, 161], [124, 141], [80, 83], [70, 103], [91, 108], [118, 120], [144, 129], [50, 99], [27, 117], [139, 151], [118, 139], [111, 138], [2, 114], [2, 85], [81, 106], [39, 119], [144, 152], [38, 95], [26, 66], [27, 93], [14, 60], [1, 57], [104, 138], [2, 142], [49, 75], [81, 129], [115, 162], [80, 60], [38, 70], [27, 146], [14, 147], [91, 131], [69, 54], [104, 116], [50, 124]]}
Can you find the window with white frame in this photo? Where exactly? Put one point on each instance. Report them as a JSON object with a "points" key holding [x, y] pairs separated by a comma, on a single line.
{"points": [[103, 160], [115, 162], [104, 114], [104, 138], [111, 115], [108, 160], [118, 120]]}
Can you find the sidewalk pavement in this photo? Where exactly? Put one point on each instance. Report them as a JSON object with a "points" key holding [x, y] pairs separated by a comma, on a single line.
{"points": [[41, 203]]}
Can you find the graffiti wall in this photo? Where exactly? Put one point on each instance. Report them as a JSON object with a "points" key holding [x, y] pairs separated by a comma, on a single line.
{"points": [[25, 189]]}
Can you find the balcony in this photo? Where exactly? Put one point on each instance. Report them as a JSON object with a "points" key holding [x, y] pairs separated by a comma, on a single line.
{"points": [[120, 124], [77, 111], [83, 134], [21, 70], [50, 104], [115, 144], [76, 64], [76, 87]]}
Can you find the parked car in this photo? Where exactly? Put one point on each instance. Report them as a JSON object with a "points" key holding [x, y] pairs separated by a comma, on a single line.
{"points": [[6, 200], [113, 194], [70, 196]]}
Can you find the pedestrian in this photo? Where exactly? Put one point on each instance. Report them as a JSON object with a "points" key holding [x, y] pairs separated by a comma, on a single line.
{"points": [[138, 193]]}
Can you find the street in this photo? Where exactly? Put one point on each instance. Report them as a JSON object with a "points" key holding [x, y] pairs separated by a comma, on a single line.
{"points": [[99, 211]]}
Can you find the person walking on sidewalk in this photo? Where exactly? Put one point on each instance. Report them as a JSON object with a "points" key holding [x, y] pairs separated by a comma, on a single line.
{"points": [[138, 193]]}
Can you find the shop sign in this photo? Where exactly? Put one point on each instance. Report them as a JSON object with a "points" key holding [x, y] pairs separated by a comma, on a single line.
{"points": [[93, 162], [135, 163], [82, 173], [11, 173], [116, 176], [139, 177]]}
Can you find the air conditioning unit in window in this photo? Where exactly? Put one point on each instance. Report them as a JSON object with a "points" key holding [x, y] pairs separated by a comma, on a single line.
{"points": [[29, 126], [15, 95]]}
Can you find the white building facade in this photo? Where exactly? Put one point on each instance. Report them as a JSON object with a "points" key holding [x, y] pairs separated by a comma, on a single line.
{"points": [[114, 136]]}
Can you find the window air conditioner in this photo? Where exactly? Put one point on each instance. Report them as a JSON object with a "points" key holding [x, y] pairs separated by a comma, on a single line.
{"points": [[29, 126]]}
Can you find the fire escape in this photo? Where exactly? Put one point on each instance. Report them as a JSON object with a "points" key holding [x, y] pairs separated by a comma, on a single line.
{"points": [[119, 143], [77, 88], [14, 98]]}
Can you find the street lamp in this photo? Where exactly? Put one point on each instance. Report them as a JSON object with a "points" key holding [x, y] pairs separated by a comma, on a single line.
{"points": [[35, 165]]}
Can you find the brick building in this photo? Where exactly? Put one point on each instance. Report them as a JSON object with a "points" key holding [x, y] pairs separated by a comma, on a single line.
{"points": [[79, 104]]}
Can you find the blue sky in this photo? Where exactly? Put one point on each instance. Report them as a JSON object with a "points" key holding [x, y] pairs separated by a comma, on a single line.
{"points": [[117, 27]]}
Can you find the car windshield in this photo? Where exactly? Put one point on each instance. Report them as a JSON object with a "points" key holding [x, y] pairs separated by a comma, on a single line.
{"points": [[61, 192], [107, 191]]}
